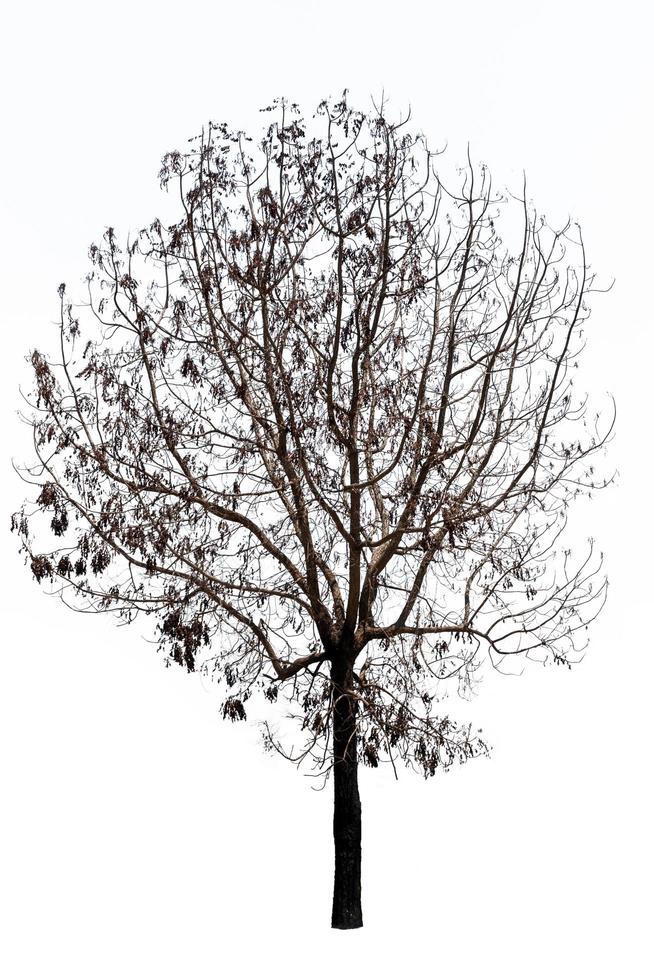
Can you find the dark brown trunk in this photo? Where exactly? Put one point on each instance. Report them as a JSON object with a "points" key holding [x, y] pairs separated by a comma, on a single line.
{"points": [[346, 908]]}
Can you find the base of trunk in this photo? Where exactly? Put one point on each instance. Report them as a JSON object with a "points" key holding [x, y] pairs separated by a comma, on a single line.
{"points": [[354, 923], [346, 907]]}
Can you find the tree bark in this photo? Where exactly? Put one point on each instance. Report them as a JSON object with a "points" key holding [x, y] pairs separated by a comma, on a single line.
{"points": [[346, 907]]}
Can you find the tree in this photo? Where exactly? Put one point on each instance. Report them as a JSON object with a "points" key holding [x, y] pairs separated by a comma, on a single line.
{"points": [[323, 428]]}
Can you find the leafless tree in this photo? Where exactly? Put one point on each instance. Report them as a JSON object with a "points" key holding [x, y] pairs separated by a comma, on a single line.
{"points": [[324, 429]]}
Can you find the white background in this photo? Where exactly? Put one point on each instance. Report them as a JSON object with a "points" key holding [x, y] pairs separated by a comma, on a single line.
{"points": [[142, 837]]}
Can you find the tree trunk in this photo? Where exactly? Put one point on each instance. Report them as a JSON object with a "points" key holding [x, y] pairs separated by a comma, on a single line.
{"points": [[346, 908]]}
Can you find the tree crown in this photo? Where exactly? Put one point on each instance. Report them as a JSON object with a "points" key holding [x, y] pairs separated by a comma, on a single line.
{"points": [[326, 418]]}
